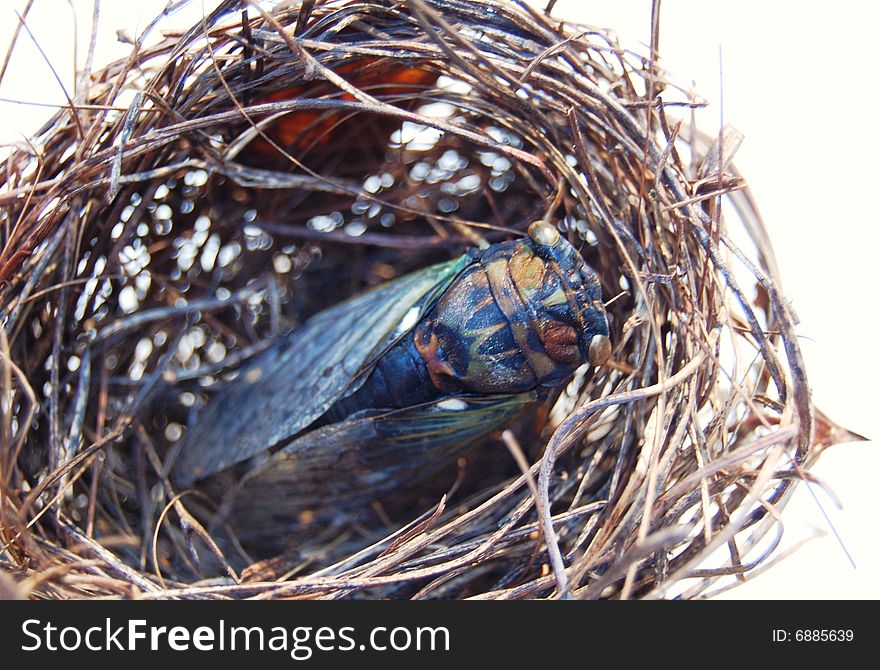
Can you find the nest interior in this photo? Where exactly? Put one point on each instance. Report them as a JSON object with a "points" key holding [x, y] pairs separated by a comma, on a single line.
{"points": [[212, 191]]}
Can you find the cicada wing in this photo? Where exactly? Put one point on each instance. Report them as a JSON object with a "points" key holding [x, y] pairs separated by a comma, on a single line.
{"points": [[297, 379], [347, 465]]}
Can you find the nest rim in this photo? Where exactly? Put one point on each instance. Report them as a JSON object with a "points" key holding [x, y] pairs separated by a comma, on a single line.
{"points": [[131, 155]]}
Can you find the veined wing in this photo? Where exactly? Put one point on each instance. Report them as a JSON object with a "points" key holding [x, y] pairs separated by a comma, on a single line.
{"points": [[296, 380], [353, 462]]}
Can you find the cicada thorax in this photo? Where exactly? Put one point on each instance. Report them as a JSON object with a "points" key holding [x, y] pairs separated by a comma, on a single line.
{"points": [[507, 325]]}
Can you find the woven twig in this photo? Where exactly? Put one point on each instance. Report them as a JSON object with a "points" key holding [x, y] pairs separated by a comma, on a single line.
{"points": [[167, 225]]}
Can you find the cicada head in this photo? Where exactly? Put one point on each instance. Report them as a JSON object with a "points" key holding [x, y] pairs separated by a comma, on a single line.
{"points": [[554, 299], [566, 297]]}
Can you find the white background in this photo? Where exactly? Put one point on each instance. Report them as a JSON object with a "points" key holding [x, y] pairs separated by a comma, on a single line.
{"points": [[799, 80]]}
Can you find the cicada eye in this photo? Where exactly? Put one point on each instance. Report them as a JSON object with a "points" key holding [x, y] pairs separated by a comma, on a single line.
{"points": [[600, 350], [544, 233]]}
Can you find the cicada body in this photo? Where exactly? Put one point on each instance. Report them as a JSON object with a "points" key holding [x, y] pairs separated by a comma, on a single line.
{"points": [[397, 380]]}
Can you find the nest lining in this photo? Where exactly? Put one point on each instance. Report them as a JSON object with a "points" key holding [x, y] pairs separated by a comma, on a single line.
{"points": [[214, 190]]}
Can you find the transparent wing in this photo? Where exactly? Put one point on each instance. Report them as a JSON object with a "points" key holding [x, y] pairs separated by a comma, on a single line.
{"points": [[353, 462], [296, 380]]}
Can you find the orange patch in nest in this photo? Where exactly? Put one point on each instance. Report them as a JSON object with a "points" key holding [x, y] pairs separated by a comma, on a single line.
{"points": [[302, 131]]}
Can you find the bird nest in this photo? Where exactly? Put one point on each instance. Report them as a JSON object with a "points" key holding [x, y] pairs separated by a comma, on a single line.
{"points": [[209, 193]]}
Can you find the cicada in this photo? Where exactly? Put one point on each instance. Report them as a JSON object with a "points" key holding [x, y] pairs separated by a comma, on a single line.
{"points": [[388, 385]]}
